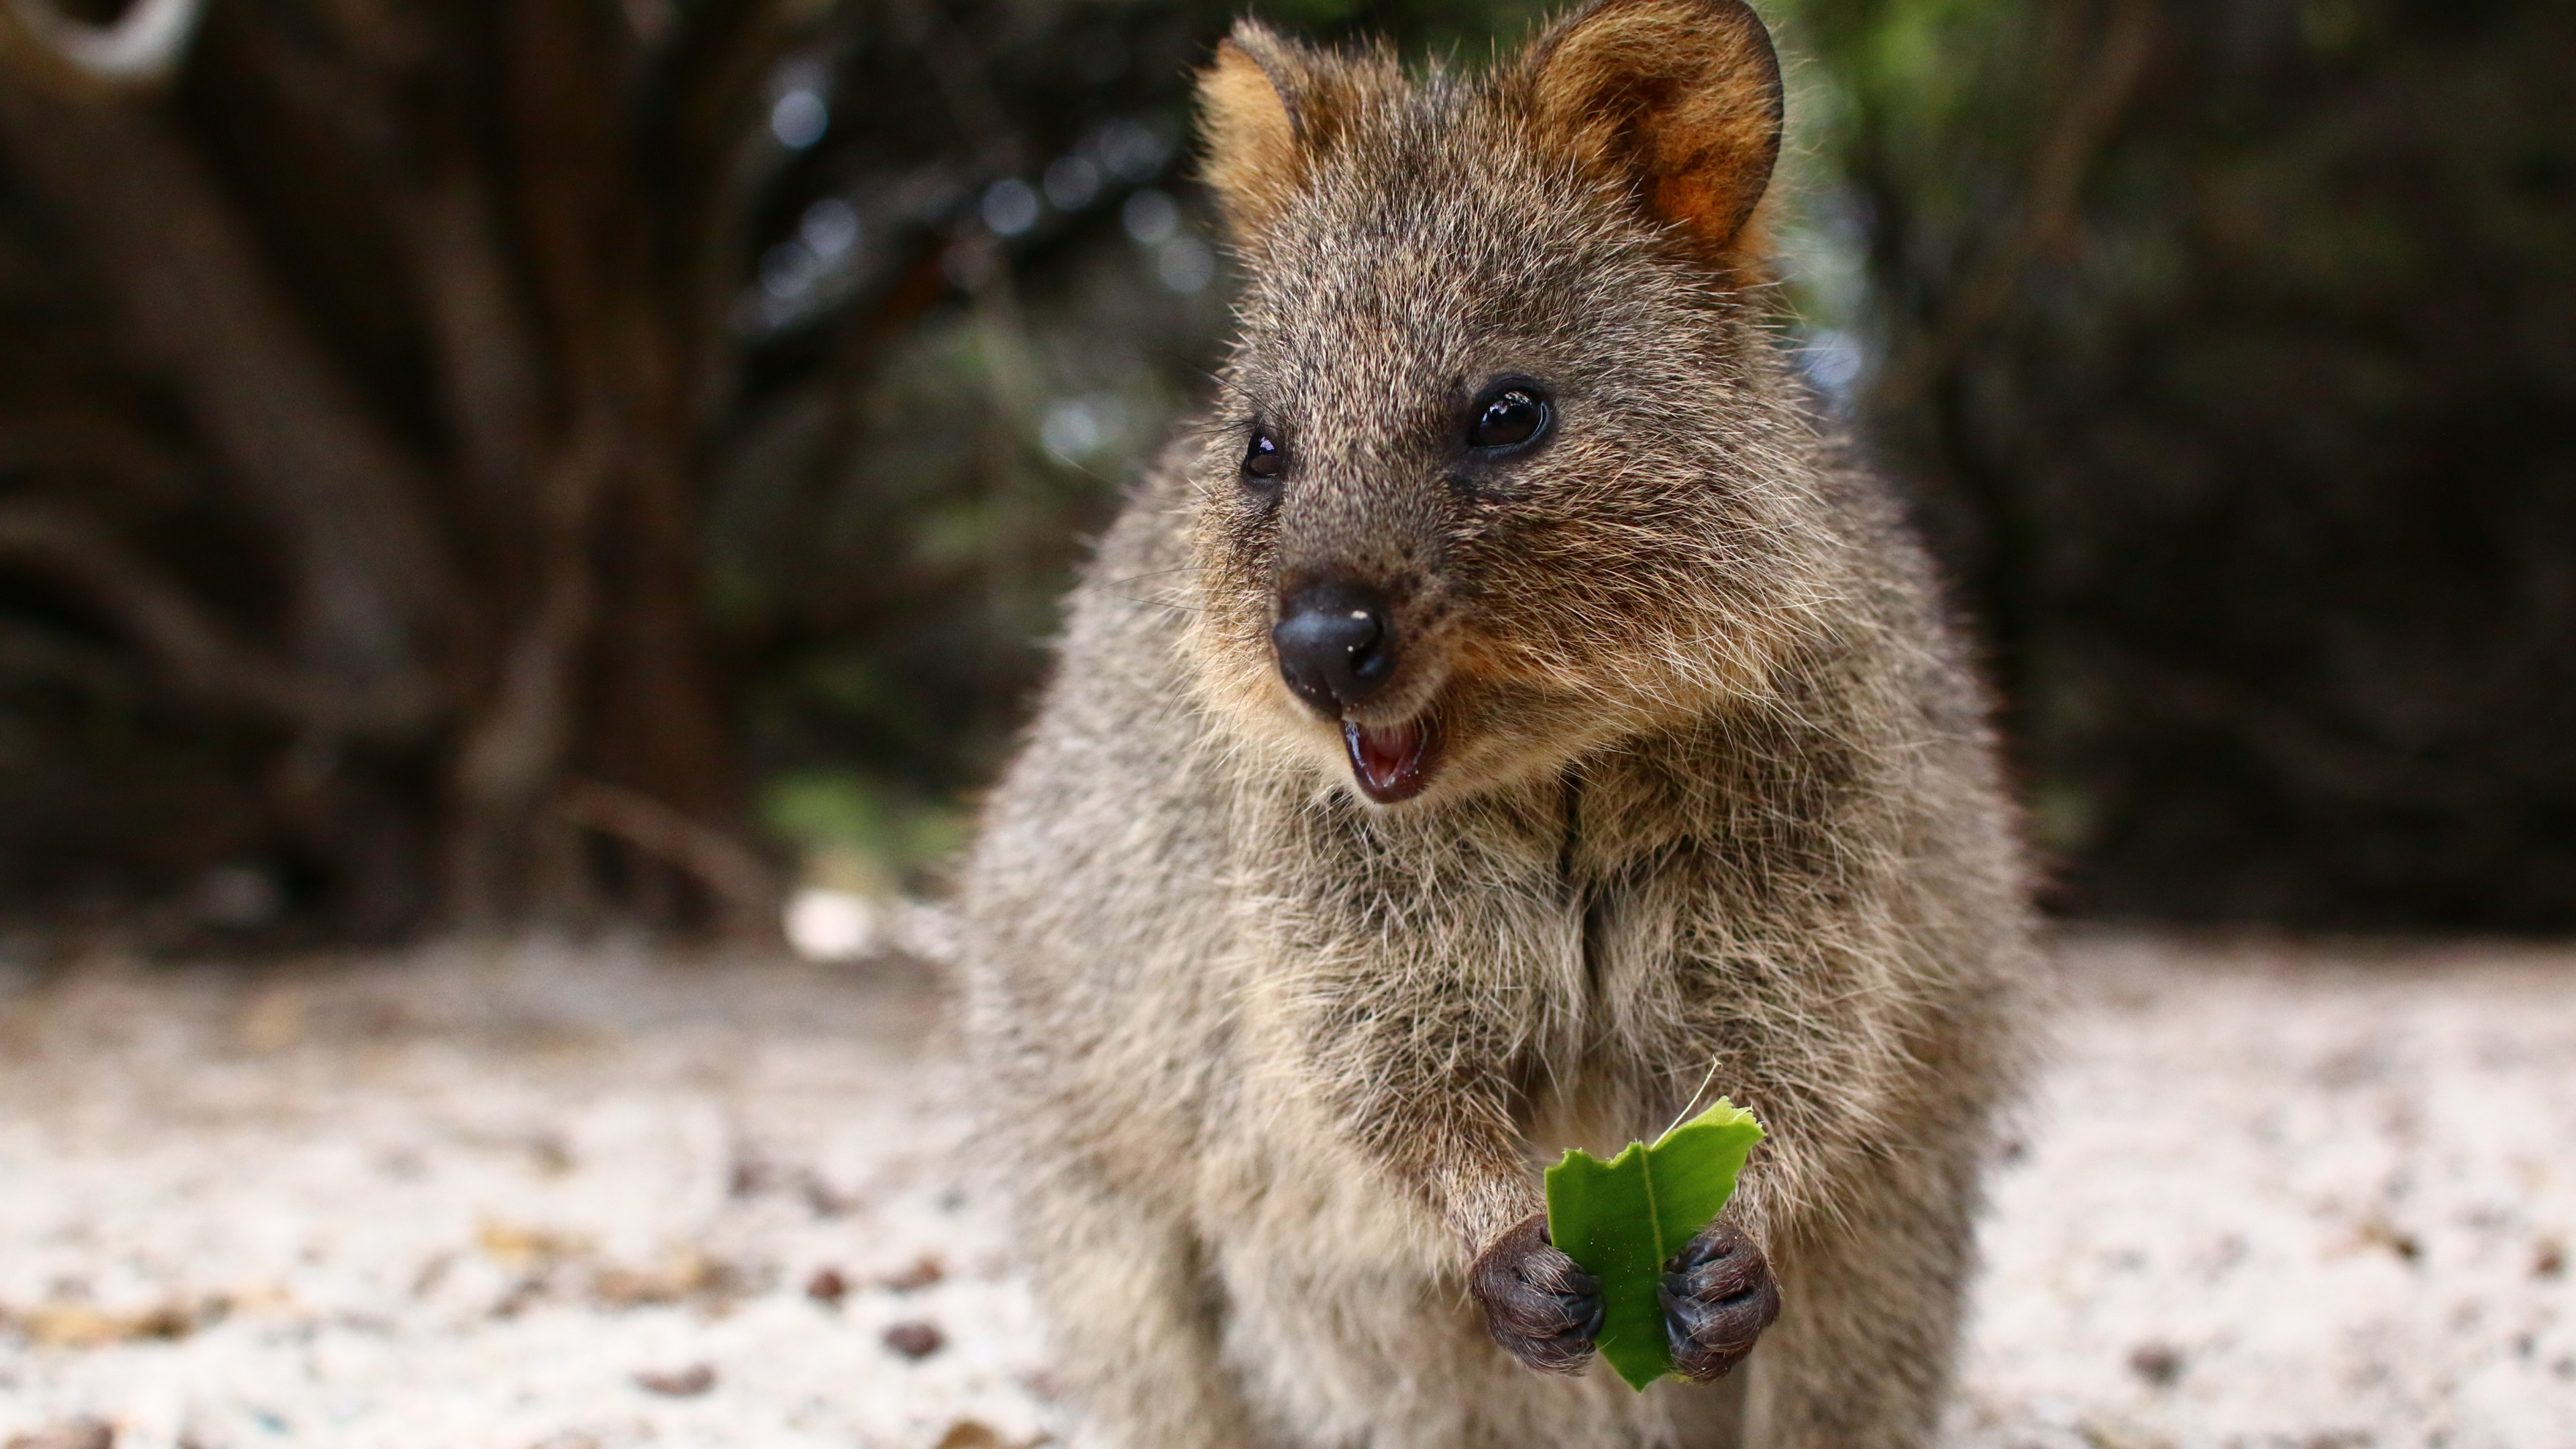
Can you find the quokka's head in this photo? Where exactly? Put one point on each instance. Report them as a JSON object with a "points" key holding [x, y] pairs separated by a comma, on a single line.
{"points": [[1504, 468]]}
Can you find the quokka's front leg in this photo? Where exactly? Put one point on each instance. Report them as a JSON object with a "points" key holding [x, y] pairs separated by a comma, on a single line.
{"points": [[1133, 1333], [1871, 1304], [1452, 1144]]}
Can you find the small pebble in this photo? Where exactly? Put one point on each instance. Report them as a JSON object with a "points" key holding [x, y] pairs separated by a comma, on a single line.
{"points": [[923, 1272], [827, 1286], [2158, 1363], [81, 1433], [915, 1339], [685, 1383], [970, 1434]]}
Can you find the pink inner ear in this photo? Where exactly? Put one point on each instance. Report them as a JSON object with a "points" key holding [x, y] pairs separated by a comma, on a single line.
{"points": [[1685, 94], [1253, 151]]}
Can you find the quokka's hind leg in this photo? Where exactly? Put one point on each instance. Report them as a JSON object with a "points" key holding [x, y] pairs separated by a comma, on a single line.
{"points": [[1132, 1333], [1871, 1306]]}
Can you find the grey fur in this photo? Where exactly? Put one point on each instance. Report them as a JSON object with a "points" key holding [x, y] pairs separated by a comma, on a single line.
{"points": [[1274, 1063]]}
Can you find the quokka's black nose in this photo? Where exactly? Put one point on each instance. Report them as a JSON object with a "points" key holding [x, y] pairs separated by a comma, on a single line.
{"points": [[1336, 645]]}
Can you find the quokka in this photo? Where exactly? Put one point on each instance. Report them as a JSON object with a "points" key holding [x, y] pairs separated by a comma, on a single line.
{"points": [[1506, 711]]}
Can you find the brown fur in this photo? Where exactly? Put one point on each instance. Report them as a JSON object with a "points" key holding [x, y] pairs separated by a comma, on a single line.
{"points": [[1713, 788]]}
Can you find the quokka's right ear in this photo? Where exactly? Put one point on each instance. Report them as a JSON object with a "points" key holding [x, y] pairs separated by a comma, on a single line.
{"points": [[1679, 98], [1266, 106]]}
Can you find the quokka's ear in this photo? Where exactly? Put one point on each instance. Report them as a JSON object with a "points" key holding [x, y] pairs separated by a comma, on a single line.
{"points": [[1265, 106], [1681, 98]]}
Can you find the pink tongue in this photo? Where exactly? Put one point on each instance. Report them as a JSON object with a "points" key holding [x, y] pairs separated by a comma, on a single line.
{"points": [[1386, 760]]}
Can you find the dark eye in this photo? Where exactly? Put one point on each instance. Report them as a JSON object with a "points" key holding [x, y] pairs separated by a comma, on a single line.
{"points": [[1261, 457], [1510, 418]]}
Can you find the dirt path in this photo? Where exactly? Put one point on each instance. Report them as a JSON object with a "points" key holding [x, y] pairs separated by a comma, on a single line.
{"points": [[535, 1197], [2291, 1198]]}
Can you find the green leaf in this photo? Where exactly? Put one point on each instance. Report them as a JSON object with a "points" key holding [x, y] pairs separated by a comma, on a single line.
{"points": [[1621, 1220]]}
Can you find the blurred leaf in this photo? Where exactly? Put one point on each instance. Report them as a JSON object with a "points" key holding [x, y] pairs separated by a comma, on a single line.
{"points": [[856, 833]]}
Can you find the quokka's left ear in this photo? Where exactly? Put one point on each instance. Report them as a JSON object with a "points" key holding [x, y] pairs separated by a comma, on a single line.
{"points": [[1267, 107], [1679, 98]]}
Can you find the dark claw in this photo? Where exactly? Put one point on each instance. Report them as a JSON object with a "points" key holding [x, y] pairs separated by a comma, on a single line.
{"points": [[1583, 1306], [1718, 1296], [1707, 1248], [1538, 1305]]}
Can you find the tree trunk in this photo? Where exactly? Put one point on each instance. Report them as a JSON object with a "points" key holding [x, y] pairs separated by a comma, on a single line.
{"points": [[493, 673]]}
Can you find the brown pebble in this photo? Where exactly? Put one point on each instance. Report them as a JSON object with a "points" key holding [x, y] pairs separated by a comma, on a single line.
{"points": [[970, 1434], [685, 1383], [923, 1272], [83, 1433], [2549, 1260], [827, 1286], [2158, 1363], [2381, 1234], [915, 1339]]}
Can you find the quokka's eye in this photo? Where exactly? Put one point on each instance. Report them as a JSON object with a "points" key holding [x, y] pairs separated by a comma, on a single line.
{"points": [[1262, 457], [1512, 417]]}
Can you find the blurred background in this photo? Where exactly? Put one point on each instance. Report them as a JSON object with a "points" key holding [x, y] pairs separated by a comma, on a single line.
{"points": [[505, 502], [566, 463]]}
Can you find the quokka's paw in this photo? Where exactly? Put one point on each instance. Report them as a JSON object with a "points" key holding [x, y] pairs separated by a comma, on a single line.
{"points": [[1718, 1296], [1538, 1305]]}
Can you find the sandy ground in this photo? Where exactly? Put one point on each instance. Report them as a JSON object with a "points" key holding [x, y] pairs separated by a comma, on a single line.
{"points": [[540, 1198]]}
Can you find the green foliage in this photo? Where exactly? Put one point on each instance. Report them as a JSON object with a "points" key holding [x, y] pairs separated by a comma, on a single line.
{"points": [[1622, 1220], [856, 833], [2223, 343], [2216, 339]]}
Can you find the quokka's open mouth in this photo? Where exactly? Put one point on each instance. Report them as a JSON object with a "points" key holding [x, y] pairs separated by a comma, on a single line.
{"points": [[1392, 762]]}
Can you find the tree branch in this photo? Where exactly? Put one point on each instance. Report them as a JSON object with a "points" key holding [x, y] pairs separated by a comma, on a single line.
{"points": [[715, 153], [723, 863], [138, 52], [371, 571], [2081, 128], [516, 742], [200, 656]]}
